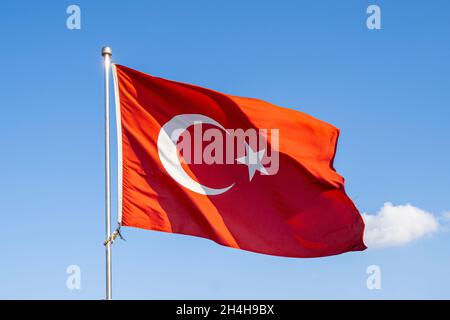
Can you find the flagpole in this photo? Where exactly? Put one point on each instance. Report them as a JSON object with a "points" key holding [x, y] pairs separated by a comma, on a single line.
{"points": [[107, 53]]}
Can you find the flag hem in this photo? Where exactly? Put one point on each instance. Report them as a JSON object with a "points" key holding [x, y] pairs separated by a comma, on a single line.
{"points": [[119, 144]]}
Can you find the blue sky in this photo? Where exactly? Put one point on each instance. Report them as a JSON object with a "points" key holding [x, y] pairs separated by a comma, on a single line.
{"points": [[387, 90]]}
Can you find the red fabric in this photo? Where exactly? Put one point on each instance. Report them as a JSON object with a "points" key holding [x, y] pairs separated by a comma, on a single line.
{"points": [[301, 211]]}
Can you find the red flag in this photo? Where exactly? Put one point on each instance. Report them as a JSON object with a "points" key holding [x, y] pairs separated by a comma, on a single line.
{"points": [[242, 172]]}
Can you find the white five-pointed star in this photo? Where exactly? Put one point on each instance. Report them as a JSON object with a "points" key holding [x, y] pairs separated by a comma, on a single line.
{"points": [[253, 160]]}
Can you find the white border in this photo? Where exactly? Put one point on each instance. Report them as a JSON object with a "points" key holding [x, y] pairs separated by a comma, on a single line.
{"points": [[119, 144]]}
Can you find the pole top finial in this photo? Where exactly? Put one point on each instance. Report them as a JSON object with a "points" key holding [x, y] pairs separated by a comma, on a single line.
{"points": [[106, 51]]}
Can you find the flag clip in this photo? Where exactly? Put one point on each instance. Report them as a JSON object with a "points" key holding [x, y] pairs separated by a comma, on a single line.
{"points": [[114, 235]]}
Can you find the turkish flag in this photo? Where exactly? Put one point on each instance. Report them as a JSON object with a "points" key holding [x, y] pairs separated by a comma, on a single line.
{"points": [[240, 171]]}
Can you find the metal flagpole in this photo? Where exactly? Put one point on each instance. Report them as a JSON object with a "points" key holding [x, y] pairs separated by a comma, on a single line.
{"points": [[107, 53]]}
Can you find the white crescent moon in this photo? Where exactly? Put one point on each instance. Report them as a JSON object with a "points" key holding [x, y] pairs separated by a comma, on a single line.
{"points": [[168, 153]]}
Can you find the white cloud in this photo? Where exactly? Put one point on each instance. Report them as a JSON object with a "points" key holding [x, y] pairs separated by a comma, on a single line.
{"points": [[397, 225]]}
